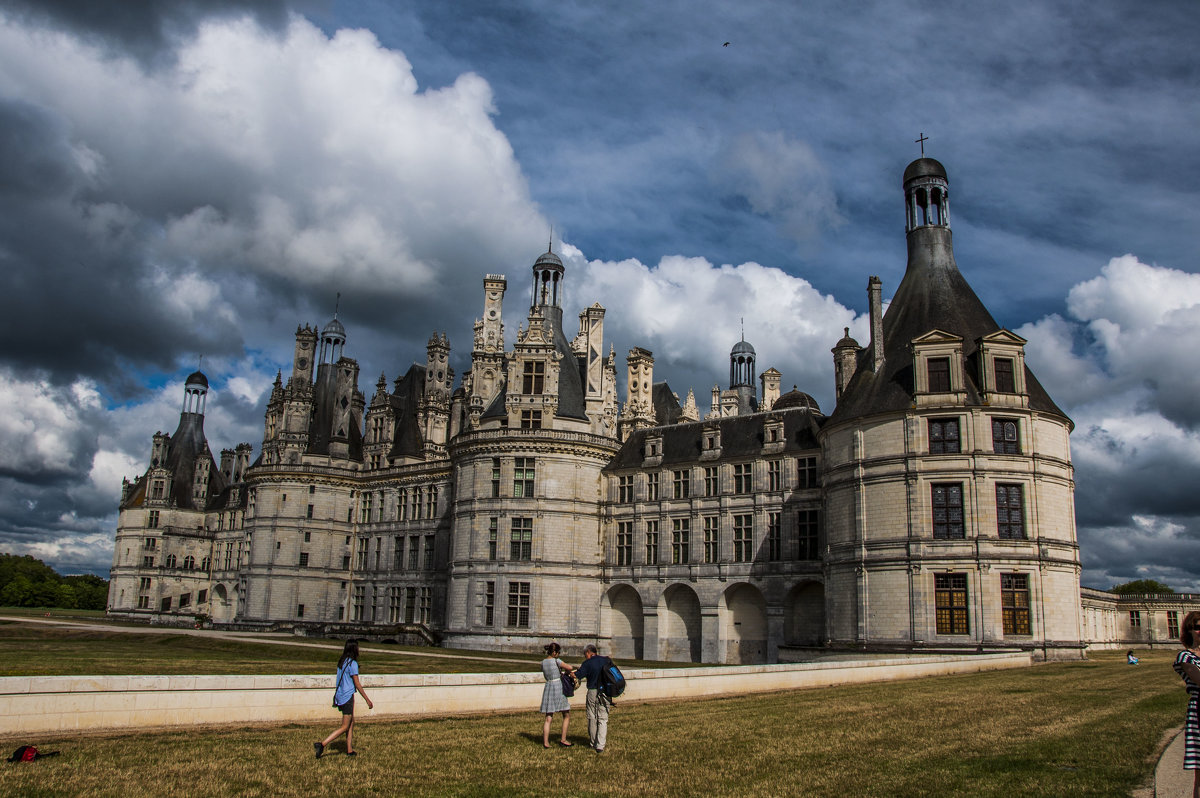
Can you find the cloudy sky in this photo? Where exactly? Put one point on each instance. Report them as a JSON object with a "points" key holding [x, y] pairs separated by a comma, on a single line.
{"points": [[187, 179]]}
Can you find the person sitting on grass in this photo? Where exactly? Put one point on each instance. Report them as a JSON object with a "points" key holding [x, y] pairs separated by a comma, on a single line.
{"points": [[343, 698], [1130, 659]]}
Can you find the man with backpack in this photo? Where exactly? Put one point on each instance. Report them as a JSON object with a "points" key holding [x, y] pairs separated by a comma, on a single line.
{"points": [[598, 701]]}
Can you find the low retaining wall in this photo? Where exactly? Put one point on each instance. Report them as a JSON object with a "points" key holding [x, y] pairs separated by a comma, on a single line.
{"points": [[31, 704]]}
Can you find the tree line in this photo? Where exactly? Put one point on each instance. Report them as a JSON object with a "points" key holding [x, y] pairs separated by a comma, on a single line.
{"points": [[28, 582]]}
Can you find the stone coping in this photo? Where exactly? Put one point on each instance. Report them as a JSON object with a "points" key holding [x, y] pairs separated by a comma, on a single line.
{"points": [[76, 703]]}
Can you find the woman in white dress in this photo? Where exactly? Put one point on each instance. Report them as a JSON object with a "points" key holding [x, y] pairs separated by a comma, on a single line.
{"points": [[553, 699]]}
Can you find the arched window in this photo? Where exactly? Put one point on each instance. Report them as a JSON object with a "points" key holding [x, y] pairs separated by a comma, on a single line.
{"points": [[170, 560], [189, 562], [206, 564]]}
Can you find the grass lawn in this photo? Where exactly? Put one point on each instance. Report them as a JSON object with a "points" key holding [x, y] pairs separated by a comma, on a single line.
{"points": [[1088, 728], [33, 649]]}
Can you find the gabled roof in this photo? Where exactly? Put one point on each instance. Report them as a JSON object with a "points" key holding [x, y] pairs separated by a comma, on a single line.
{"points": [[406, 432]]}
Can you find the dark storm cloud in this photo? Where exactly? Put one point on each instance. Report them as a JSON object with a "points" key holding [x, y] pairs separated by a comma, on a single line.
{"points": [[145, 29]]}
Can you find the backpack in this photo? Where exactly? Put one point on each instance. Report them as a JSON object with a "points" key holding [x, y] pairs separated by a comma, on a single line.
{"points": [[28, 753], [612, 681]]}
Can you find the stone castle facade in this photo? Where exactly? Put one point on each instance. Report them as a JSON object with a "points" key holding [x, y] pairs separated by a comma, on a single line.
{"points": [[932, 509]]}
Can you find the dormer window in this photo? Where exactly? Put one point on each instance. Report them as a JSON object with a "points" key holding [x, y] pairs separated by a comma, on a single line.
{"points": [[938, 371], [534, 378], [1005, 382]]}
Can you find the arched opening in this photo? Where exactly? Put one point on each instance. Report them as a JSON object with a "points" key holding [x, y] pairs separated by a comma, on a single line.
{"points": [[804, 621], [679, 625], [222, 606], [744, 626], [621, 621]]}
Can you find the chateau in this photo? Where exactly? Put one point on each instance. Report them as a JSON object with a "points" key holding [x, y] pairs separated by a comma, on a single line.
{"points": [[931, 509]]}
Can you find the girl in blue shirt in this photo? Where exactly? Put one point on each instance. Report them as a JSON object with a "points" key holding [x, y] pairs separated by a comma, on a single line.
{"points": [[343, 698]]}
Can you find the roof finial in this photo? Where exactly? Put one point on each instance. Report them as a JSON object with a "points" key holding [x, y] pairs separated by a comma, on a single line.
{"points": [[550, 244], [337, 303], [742, 321], [922, 141]]}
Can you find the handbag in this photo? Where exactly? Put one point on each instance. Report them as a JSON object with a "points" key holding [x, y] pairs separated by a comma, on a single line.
{"points": [[569, 683]]}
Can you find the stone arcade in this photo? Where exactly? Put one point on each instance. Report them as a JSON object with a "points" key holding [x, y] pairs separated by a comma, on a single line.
{"points": [[931, 510]]}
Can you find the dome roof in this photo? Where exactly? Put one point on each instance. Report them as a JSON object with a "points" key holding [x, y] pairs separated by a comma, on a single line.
{"points": [[847, 340], [742, 348], [334, 329], [795, 398], [548, 258], [924, 167], [197, 378]]}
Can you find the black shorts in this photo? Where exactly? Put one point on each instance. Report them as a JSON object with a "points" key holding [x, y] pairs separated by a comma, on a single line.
{"points": [[348, 707]]}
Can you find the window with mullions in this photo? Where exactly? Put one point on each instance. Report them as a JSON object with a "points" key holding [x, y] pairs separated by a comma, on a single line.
{"points": [[1004, 436], [1173, 624], [652, 493], [651, 543], [1135, 619], [397, 553], [521, 539], [774, 536], [625, 489], [429, 539], [531, 419], [495, 477], [523, 478], [425, 608], [743, 479], [938, 371], [518, 604], [712, 484], [533, 379], [360, 603], [624, 543], [410, 605], [807, 534], [493, 536], [774, 475], [943, 436], [682, 483], [680, 540], [414, 552], [1005, 382], [1010, 512], [394, 605], [489, 604], [153, 522], [948, 511], [743, 538], [1014, 603], [806, 472], [712, 540], [951, 600]]}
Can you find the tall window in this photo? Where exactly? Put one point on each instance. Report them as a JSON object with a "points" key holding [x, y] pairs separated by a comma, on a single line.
{"points": [[774, 536], [652, 494], [378, 552], [364, 509], [304, 559], [518, 604], [534, 378], [1004, 436], [806, 472], [712, 542], [531, 419], [1173, 624], [948, 511], [495, 477], [425, 608], [394, 615], [414, 552], [523, 477], [743, 480], [711, 481], [938, 370], [1004, 375], [624, 543], [429, 552], [431, 497], [625, 489], [1010, 512], [410, 605], [360, 603], [360, 560], [170, 561], [743, 538], [309, 512], [489, 604], [774, 475], [680, 540], [521, 539], [397, 553], [153, 521], [807, 535], [1135, 619], [493, 536], [189, 562], [1014, 603], [416, 503], [682, 483], [943, 436], [951, 598], [652, 543], [402, 505]]}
